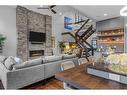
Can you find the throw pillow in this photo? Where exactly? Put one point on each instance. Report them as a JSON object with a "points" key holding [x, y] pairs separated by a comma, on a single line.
{"points": [[9, 62], [18, 60], [2, 58]]}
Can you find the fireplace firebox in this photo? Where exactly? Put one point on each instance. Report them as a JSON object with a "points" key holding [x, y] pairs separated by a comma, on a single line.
{"points": [[34, 53]]}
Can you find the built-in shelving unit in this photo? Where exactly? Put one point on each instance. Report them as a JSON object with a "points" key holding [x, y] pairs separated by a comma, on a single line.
{"points": [[111, 42], [113, 37]]}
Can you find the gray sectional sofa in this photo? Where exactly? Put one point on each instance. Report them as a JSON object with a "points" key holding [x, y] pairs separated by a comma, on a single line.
{"points": [[32, 71]]}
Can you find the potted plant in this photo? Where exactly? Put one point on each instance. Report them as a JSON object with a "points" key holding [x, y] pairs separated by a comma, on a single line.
{"points": [[2, 40], [61, 46]]}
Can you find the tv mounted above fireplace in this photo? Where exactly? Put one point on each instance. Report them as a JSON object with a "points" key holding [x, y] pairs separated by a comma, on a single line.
{"points": [[37, 37]]}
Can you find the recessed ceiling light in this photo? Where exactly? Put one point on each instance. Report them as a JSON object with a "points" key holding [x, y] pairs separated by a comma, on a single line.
{"points": [[105, 14], [41, 6], [60, 13], [123, 11], [126, 24]]}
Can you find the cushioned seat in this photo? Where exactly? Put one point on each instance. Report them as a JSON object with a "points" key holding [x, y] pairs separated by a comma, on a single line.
{"points": [[82, 61], [65, 66]]}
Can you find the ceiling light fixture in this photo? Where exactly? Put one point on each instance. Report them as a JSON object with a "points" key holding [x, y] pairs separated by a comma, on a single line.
{"points": [[41, 6], [126, 24], [60, 13], [123, 11], [105, 14]]}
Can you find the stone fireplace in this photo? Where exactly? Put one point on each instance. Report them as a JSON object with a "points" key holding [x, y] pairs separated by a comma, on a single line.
{"points": [[26, 21]]}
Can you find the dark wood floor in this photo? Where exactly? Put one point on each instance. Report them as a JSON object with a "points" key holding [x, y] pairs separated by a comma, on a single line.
{"points": [[48, 84], [1, 85]]}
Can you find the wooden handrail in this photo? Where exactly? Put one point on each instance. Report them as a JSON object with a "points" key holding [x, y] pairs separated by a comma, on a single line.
{"points": [[82, 27], [85, 38], [87, 31]]}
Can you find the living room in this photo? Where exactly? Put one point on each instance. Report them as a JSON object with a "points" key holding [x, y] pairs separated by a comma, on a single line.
{"points": [[38, 43]]}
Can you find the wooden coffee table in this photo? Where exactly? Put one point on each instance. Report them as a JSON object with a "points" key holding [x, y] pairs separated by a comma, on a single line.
{"points": [[79, 78]]}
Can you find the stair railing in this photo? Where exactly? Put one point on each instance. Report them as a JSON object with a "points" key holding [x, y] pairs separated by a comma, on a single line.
{"points": [[81, 27]]}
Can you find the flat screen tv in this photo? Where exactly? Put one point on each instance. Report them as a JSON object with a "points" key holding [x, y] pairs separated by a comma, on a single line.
{"points": [[37, 37]]}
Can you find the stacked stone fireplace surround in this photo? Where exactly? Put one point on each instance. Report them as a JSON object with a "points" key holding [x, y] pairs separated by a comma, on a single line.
{"points": [[27, 21]]}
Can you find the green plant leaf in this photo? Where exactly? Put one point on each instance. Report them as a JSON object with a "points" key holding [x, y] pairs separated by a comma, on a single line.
{"points": [[61, 45], [2, 39]]}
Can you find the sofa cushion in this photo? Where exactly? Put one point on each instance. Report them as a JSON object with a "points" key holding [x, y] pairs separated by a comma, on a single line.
{"points": [[52, 58], [9, 62], [66, 56], [2, 58], [29, 63]]}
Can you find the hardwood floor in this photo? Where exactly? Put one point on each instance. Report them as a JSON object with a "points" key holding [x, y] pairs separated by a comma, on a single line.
{"points": [[49, 84]]}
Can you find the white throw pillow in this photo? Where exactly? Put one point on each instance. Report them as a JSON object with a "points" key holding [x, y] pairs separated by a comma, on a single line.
{"points": [[9, 62], [18, 60], [2, 58]]}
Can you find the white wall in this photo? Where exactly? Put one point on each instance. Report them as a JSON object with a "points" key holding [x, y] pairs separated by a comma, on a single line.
{"points": [[125, 34], [8, 29], [110, 24]]}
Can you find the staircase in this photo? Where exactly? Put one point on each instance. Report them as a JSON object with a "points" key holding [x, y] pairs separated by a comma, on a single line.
{"points": [[81, 35]]}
